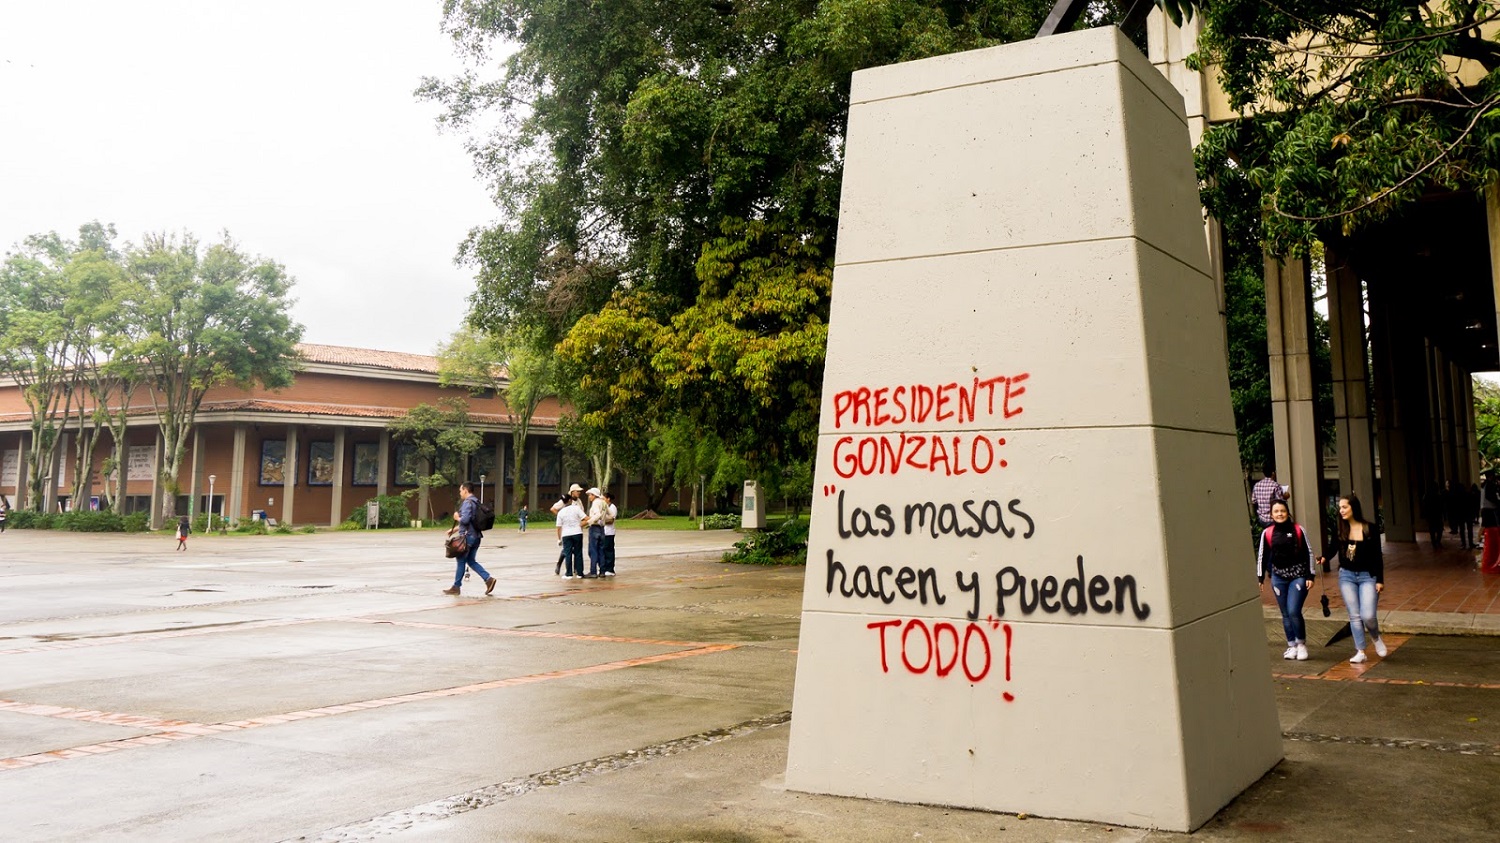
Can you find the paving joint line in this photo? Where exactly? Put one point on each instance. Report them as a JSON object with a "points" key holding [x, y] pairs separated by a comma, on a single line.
{"points": [[178, 730], [484, 797]]}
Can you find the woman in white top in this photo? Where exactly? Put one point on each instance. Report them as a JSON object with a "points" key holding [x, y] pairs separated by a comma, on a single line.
{"points": [[611, 513]]}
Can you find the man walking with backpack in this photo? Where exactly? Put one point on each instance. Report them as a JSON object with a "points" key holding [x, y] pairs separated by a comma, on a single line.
{"points": [[471, 523]]}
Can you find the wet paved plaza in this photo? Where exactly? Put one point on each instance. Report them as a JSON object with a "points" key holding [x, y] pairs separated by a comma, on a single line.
{"points": [[321, 687]]}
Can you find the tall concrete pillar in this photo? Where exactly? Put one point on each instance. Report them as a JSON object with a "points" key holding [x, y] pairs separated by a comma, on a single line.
{"points": [[55, 473], [1293, 417], [289, 469], [532, 455], [195, 478], [1392, 413], [336, 507], [1351, 397], [234, 506], [502, 471], [981, 191], [158, 457], [383, 465], [1460, 412]]}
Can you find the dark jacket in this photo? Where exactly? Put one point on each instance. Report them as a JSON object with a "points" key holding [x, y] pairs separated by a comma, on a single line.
{"points": [[1287, 555], [1367, 557], [468, 513]]}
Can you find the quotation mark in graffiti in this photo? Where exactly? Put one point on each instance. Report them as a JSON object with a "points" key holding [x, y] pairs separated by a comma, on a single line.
{"points": [[829, 490], [1001, 441]]}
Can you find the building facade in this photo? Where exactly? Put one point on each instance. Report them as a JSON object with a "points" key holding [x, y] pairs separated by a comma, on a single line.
{"points": [[310, 454]]}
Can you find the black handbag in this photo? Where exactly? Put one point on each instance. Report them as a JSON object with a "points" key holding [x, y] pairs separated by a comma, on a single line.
{"points": [[455, 545]]}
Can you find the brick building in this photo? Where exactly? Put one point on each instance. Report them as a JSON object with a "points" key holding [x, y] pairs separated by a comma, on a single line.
{"points": [[309, 454]]}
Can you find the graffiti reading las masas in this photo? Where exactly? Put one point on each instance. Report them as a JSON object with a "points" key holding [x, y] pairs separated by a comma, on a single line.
{"points": [[997, 592]]}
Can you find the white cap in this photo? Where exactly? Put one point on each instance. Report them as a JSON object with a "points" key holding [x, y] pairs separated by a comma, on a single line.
{"points": [[594, 491]]}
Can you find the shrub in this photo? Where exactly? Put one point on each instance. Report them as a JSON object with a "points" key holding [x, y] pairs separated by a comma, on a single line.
{"points": [[25, 519], [721, 522], [283, 530], [308, 529], [251, 526], [784, 546], [393, 512], [88, 521], [136, 522]]}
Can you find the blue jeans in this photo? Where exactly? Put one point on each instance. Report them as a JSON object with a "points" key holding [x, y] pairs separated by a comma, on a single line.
{"points": [[523, 523], [1290, 595], [1363, 602], [573, 555], [468, 561], [608, 543], [596, 550]]}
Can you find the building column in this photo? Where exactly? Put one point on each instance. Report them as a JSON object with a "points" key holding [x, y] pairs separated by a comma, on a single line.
{"points": [[501, 505], [157, 457], [336, 508], [1293, 419], [289, 473], [23, 473], [1475, 459], [1351, 397], [234, 505], [196, 478], [383, 465], [1399, 505], [1459, 413], [531, 471], [55, 474]]}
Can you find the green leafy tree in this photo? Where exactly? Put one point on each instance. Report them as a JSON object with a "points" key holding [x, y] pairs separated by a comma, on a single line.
{"points": [[1487, 420], [206, 318], [433, 430], [669, 173], [519, 372], [41, 286], [1356, 109]]}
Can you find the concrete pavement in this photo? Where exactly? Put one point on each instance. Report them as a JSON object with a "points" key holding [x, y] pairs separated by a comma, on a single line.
{"points": [[321, 688]]}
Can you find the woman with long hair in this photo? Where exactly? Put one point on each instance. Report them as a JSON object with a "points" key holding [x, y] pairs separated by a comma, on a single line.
{"points": [[1361, 575], [1286, 554]]}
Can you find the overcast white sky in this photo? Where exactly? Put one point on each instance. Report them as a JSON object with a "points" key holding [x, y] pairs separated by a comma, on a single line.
{"points": [[290, 123]]}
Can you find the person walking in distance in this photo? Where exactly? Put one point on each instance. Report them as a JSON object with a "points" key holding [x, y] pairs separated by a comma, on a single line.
{"points": [[522, 516], [466, 518], [1361, 575], [1286, 554], [611, 513], [598, 509], [570, 534], [4, 512], [183, 528]]}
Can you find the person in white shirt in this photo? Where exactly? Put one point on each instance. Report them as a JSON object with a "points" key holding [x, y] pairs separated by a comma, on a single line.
{"points": [[610, 514], [570, 533]]}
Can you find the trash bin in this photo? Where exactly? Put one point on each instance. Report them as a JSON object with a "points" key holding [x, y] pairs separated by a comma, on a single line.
{"points": [[753, 514], [257, 515]]}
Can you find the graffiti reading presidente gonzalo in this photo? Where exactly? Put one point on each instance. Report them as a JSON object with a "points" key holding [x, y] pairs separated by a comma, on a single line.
{"points": [[944, 649]]}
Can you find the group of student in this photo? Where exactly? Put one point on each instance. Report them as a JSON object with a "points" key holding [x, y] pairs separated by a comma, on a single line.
{"points": [[572, 520], [1284, 554]]}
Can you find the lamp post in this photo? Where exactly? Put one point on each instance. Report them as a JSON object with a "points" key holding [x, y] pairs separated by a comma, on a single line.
{"points": [[481, 488], [211, 479]]}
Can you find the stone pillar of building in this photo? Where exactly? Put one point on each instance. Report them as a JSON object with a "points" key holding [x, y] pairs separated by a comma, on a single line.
{"points": [[158, 456], [1437, 412], [23, 474], [336, 508], [1351, 397], [383, 465], [502, 470], [1398, 502], [1293, 418], [532, 452], [236, 496], [54, 474], [1461, 412], [1476, 460], [196, 478], [289, 469]]}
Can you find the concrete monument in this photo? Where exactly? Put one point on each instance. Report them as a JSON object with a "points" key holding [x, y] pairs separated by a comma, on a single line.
{"points": [[1029, 584]]}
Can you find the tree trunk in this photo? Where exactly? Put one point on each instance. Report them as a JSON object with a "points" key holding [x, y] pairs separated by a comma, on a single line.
{"points": [[518, 463]]}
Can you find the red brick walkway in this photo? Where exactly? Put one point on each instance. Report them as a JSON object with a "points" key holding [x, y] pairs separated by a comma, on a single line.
{"points": [[1419, 578]]}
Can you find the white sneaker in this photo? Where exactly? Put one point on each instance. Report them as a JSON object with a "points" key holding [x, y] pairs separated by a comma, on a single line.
{"points": [[1291, 652], [1301, 652], [609, 573], [1359, 657], [1380, 648]]}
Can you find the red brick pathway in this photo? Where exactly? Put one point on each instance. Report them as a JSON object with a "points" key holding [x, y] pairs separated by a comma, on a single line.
{"points": [[1419, 578]]}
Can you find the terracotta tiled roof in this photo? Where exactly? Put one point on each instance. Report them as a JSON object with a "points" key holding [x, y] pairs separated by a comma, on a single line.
{"points": [[209, 408], [349, 356]]}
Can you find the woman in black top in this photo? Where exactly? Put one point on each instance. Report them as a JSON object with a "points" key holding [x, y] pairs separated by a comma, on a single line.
{"points": [[1361, 575], [1285, 552]]}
